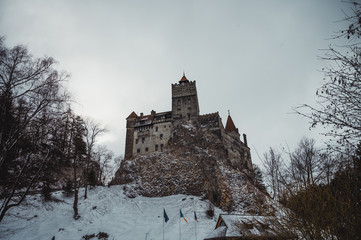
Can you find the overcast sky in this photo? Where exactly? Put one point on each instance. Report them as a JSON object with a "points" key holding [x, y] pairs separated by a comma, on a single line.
{"points": [[257, 59]]}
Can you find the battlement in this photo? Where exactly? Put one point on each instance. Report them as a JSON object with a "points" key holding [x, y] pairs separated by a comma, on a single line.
{"points": [[184, 83], [209, 115], [184, 89]]}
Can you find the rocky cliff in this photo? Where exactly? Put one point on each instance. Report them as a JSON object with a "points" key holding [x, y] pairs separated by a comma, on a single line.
{"points": [[195, 163]]}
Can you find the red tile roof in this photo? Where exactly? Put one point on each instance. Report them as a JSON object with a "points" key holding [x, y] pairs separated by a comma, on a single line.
{"points": [[230, 127], [132, 115], [184, 79]]}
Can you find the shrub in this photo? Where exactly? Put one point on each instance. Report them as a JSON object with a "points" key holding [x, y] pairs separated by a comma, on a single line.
{"points": [[68, 190], [210, 211], [92, 180], [46, 192]]}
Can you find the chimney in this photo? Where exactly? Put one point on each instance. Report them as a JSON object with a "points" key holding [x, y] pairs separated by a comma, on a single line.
{"points": [[141, 114], [245, 139]]}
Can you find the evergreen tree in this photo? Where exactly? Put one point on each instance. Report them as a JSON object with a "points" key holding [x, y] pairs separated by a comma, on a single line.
{"points": [[92, 178], [79, 150], [46, 192], [258, 178]]}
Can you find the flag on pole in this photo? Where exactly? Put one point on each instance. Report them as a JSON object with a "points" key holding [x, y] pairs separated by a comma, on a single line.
{"points": [[166, 218], [181, 215], [195, 216]]}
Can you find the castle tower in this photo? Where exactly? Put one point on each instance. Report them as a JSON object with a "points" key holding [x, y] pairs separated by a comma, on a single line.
{"points": [[129, 139], [184, 101]]}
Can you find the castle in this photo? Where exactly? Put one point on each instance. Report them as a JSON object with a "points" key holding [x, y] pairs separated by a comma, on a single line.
{"points": [[151, 133]]}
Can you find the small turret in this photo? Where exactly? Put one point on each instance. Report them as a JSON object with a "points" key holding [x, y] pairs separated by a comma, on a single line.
{"points": [[245, 139], [230, 127]]}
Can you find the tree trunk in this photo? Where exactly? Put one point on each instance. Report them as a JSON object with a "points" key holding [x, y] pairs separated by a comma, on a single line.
{"points": [[86, 180], [75, 205]]}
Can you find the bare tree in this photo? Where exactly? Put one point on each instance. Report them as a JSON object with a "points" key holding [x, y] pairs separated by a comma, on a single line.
{"points": [[104, 157], [299, 169], [272, 162], [339, 104], [306, 163], [92, 131], [118, 160], [31, 97]]}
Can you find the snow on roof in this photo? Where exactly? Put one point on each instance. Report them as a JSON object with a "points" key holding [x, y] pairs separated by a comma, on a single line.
{"points": [[218, 232]]}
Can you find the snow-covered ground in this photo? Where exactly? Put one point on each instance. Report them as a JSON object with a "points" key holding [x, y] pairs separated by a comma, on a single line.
{"points": [[108, 210]]}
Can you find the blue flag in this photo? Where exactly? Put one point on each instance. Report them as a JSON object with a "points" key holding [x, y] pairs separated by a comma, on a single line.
{"points": [[166, 218]]}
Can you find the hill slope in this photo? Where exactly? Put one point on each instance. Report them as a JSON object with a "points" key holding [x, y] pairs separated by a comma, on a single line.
{"points": [[195, 163], [108, 210]]}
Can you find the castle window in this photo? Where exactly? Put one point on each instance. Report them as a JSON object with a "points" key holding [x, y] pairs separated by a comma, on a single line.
{"points": [[156, 129], [161, 147], [189, 100], [136, 141], [165, 126], [179, 102], [180, 116], [161, 136], [179, 109], [189, 116], [146, 149], [189, 108], [138, 150], [156, 147], [143, 139]]}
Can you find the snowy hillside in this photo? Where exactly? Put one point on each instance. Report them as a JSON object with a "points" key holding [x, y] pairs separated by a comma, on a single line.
{"points": [[108, 210]]}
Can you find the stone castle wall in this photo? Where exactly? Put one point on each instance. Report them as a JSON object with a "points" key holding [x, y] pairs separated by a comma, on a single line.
{"points": [[184, 102], [151, 138], [151, 133], [237, 151]]}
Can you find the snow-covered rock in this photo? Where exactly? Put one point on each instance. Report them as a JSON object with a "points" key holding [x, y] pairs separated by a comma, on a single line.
{"points": [[196, 163]]}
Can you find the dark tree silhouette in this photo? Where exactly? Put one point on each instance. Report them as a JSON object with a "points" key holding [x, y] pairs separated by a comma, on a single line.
{"points": [[31, 99], [78, 155]]}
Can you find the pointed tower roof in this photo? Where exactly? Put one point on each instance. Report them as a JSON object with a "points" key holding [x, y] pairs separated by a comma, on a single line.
{"points": [[132, 115], [230, 127], [183, 79]]}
